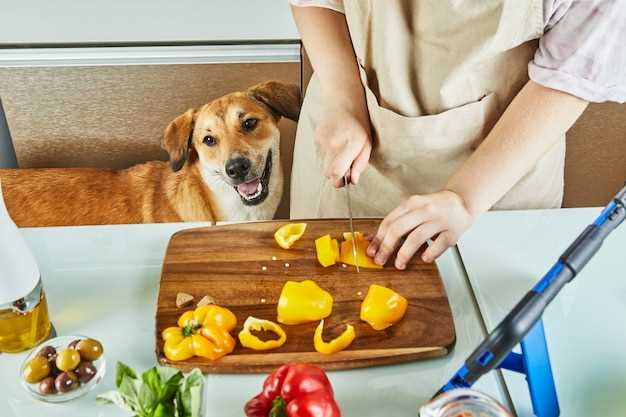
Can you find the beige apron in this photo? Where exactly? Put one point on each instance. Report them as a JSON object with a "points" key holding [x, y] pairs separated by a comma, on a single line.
{"points": [[437, 74]]}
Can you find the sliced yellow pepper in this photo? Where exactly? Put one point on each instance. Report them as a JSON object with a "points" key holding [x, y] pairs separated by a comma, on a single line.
{"points": [[327, 250], [288, 234], [382, 307], [339, 343], [302, 302], [210, 314], [348, 235], [201, 332], [335, 246], [362, 258], [247, 339]]}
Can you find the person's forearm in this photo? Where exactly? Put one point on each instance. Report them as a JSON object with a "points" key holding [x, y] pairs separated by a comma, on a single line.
{"points": [[327, 41], [534, 122]]}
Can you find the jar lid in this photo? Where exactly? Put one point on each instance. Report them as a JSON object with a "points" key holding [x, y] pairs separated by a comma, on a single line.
{"points": [[19, 273]]}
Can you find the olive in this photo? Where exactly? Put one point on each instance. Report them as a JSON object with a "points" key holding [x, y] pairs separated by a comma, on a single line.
{"points": [[66, 381], [73, 343], [36, 370], [47, 352], [67, 359], [89, 349], [85, 371], [54, 371], [46, 386]]}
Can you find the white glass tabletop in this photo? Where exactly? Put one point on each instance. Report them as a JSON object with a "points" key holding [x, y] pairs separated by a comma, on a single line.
{"points": [[506, 253], [102, 282]]}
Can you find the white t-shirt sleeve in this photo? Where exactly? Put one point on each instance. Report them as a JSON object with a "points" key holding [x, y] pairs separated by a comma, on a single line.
{"points": [[583, 49], [336, 5]]}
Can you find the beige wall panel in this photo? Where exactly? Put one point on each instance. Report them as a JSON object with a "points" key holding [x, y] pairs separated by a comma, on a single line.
{"points": [[595, 162], [113, 116]]}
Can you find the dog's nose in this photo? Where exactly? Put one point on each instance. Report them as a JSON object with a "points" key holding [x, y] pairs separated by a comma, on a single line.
{"points": [[238, 168]]}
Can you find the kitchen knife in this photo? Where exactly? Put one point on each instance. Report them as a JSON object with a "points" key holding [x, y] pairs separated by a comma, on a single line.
{"points": [[346, 182]]}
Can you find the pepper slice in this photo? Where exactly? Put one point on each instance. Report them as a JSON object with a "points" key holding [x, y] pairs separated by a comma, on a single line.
{"points": [[362, 258], [302, 302], [382, 307], [288, 234], [247, 339], [201, 332], [348, 235], [339, 343], [327, 250]]}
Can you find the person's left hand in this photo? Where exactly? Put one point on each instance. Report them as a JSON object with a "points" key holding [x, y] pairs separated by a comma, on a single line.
{"points": [[419, 218]]}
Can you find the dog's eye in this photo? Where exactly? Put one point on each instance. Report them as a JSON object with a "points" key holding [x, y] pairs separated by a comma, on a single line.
{"points": [[209, 141], [249, 124]]}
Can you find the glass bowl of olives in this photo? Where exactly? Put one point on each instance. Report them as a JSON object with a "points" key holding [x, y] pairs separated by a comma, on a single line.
{"points": [[63, 368]]}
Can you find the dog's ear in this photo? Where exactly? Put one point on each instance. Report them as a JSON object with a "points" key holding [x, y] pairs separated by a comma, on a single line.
{"points": [[177, 138], [282, 99]]}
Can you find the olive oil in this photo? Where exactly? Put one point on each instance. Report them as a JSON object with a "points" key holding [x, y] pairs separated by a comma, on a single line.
{"points": [[22, 328]]}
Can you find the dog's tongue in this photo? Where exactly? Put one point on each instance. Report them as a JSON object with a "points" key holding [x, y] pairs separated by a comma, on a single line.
{"points": [[249, 188]]}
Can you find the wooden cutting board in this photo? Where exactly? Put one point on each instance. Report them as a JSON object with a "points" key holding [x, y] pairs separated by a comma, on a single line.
{"points": [[227, 263]]}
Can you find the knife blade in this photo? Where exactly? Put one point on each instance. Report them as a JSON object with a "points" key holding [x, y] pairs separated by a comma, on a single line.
{"points": [[346, 182]]}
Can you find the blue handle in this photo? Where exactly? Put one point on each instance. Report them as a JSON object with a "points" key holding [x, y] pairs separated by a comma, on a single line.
{"points": [[512, 329]]}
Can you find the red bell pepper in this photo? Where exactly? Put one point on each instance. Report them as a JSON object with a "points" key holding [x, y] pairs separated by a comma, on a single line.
{"points": [[294, 390]]}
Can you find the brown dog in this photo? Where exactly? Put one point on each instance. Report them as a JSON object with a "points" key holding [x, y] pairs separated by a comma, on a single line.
{"points": [[224, 165]]}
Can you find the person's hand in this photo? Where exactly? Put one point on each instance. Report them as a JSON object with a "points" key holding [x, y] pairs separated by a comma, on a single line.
{"points": [[343, 136], [419, 218]]}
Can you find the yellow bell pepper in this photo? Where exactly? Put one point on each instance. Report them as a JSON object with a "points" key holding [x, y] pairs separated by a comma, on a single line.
{"points": [[302, 302], [382, 307], [327, 250], [335, 246], [247, 339], [288, 234], [339, 343], [201, 332], [362, 258], [348, 235]]}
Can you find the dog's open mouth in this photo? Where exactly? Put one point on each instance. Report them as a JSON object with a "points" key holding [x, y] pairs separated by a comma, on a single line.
{"points": [[255, 191]]}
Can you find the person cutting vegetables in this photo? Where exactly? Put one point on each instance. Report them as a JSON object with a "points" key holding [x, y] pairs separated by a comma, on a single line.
{"points": [[442, 110]]}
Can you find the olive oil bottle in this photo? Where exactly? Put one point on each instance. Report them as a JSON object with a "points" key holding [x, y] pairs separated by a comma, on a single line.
{"points": [[24, 320], [24, 323]]}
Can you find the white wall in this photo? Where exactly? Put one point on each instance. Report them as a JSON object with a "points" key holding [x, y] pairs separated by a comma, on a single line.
{"points": [[26, 22]]}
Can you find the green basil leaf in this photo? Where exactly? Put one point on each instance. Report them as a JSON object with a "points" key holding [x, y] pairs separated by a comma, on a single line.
{"points": [[164, 410], [146, 398], [129, 391], [123, 370], [180, 408], [190, 394], [166, 373], [193, 379], [168, 390], [152, 379], [113, 397], [195, 401]]}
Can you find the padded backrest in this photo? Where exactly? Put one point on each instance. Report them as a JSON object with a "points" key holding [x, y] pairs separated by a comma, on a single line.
{"points": [[595, 162]]}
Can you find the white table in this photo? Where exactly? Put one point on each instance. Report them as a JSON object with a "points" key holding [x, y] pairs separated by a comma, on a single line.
{"points": [[102, 282], [505, 253]]}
